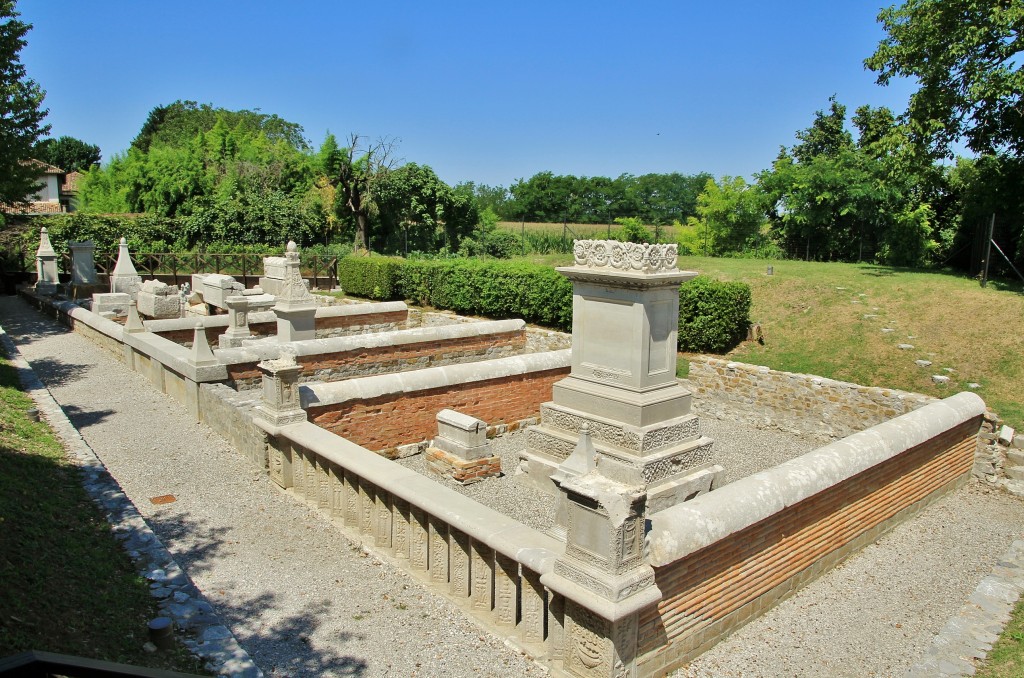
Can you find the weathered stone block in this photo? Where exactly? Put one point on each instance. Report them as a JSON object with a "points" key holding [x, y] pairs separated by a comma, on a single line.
{"points": [[465, 472], [111, 304]]}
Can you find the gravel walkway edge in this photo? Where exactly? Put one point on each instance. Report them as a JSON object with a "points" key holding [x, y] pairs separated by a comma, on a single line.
{"points": [[972, 632], [179, 598]]}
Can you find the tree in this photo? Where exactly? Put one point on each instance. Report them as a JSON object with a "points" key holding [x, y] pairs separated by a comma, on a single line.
{"points": [[732, 214], [68, 153], [359, 169], [20, 114], [178, 123], [966, 56], [418, 211]]}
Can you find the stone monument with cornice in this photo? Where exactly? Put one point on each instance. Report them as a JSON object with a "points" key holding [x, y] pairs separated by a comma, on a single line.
{"points": [[295, 308], [622, 384]]}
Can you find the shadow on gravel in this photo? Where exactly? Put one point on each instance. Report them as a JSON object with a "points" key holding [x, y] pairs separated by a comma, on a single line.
{"points": [[195, 545], [54, 372], [85, 418], [289, 646], [24, 323]]}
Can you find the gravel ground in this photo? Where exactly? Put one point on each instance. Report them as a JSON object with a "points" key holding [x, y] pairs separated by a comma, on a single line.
{"points": [[739, 449], [297, 595], [303, 601]]}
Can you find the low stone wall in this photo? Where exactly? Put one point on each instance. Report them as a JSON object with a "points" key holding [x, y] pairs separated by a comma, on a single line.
{"points": [[229, 413], [339, 358], [386, 411], [331, 321], [729, 555], [804, 404]]}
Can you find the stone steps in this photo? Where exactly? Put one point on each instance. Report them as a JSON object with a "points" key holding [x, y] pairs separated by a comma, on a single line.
{"points": [[1014, 472]]}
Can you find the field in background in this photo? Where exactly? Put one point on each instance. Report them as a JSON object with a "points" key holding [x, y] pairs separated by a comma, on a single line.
{"points": [[827, 319]]}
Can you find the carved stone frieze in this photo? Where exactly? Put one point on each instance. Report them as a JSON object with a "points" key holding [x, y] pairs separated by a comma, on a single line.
{"points": [[670, 466], [625, 256], [617, 434]]}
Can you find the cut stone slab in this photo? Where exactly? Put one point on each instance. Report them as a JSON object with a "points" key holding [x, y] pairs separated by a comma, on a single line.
{"points": [[1014, 472], [940, 379], [887, 330], [870, 316], [904, 347], [923, 363], [111, 304], [1018, 442], [974, 385], [1006, 435]]}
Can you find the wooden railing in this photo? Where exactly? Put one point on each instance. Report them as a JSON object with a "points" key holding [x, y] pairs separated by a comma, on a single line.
{"points": [[175, 268]]}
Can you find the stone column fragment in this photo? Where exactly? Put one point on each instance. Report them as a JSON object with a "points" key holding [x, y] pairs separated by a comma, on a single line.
{"points": [[47, 279]]}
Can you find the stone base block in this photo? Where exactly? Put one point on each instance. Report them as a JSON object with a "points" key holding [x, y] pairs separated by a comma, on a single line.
{"points": [[666, 495], [114, 303], [159, 306], [461, 471]]}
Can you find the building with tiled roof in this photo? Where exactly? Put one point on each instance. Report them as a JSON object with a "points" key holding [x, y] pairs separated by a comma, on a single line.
{"points": [[50, 198]]}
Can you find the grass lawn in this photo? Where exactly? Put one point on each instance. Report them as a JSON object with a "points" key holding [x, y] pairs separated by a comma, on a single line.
{"points": [[66, 585], [1006, 660], [814, 321]]}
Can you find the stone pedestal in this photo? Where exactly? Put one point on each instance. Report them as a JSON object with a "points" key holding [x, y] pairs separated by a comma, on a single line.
{"points": [[238, 322], [274, 269], [125, 279], [461, 451], [83, 266], [281, 405], [603, 575], [622, 383], [47, 279], [295, 308]]}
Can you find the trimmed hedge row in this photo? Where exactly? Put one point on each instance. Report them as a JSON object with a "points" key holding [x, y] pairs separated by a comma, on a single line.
{"points": [[713, 315]]}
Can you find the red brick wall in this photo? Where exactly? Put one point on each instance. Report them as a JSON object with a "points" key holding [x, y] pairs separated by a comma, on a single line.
{"points": [[393, 420], [386, 359], [713, 591], [270, 328]]}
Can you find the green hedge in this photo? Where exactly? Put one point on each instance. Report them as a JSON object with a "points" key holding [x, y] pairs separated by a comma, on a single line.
{"points": [[713, 315]]}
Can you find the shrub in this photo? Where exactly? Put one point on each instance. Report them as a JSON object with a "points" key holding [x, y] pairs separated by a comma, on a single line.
{"points": [[713, 315], [503, 245], [371, 276]]}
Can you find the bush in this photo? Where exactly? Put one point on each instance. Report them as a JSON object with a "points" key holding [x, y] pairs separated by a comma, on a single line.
{"points": [[373, 277], [713, 315], [503, 245]]}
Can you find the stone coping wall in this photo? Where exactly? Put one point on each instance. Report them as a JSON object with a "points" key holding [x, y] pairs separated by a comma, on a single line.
{"points": [[387, 411], [489, 564], [338, 358], [331, 321], [803, 404], [729, 555]]}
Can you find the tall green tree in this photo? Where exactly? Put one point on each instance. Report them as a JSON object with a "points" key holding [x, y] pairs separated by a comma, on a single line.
{"points": [[966, 57], [21, 112], [68, 153], [418, 211], [731, 214]]}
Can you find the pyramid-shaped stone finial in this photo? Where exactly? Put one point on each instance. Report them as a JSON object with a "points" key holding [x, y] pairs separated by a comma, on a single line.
{"points": [[202, 354], [134, 321], [125, 278], [46, 266]]}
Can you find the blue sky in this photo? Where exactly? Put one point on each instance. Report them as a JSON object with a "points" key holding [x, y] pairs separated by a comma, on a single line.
{"points": [[488, 92]]}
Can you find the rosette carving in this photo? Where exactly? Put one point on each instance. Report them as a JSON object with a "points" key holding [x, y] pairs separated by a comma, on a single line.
{"points": [[625, 256]]}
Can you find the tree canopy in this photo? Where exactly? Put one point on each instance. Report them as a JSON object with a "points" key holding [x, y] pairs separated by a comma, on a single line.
{"points": [[966, 57], [68, 153], [21, 112]]}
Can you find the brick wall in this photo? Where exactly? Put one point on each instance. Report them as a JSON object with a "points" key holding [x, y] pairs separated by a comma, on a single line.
{"points": [[398, 419], [713, 591], [799, 403], [330, 326], [328, 367]]}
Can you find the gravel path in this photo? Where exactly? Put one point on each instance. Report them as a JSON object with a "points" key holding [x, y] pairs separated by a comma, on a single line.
{"points": [[303, 601], [298, 596]]}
